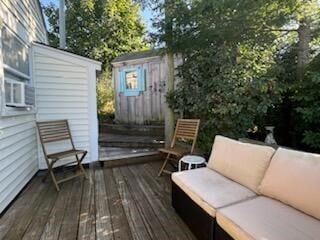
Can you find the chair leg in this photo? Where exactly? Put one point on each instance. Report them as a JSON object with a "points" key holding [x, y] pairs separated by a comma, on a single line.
{"points": [[164, 165], [50, 170], [80, 165]]}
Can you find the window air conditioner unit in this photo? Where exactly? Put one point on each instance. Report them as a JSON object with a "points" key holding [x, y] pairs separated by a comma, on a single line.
{"points": [[19, 94]]}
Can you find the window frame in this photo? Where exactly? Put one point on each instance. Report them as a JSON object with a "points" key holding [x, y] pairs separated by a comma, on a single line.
{"points": [[12, 103], [141, 81], [7, 110], [125, 72]]}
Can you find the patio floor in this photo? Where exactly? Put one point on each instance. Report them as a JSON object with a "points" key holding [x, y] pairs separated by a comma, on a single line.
{"points": [[128, 202]]}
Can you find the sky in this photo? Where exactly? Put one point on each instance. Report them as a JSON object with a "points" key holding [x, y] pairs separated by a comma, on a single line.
{"points": [[146, 14]]}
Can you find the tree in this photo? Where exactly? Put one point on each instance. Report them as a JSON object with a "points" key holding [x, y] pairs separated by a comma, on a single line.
{"points": [[164, 24], [300, 64], [215, 38], [307, 99], [101, 30], [169, 114], [230, 75]]}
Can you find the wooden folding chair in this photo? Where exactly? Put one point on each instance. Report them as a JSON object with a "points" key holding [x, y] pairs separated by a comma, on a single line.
{"points": [[186, 130], [57, 131]]}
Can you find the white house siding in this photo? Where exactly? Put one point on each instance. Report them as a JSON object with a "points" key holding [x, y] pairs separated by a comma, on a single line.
{"points": [[65, 89], [18, 158], [18, 147], [25, 19]]}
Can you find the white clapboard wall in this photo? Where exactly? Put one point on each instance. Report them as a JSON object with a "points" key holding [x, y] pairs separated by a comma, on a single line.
{"points": [[18, 145], [65, 86]]}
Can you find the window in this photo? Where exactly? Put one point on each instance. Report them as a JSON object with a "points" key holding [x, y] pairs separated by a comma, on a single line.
{"points": [[14, 52], [17, 82], [14, 93], [131, 81]]}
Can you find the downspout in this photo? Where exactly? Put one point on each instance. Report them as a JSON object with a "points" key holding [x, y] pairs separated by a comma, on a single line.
{"points": [[62, 24]]}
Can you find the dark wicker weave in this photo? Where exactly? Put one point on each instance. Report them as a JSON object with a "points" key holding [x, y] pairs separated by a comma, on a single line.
{"points": [[200, 223]]}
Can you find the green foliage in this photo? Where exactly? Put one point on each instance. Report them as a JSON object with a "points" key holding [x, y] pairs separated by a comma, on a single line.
{"points": [[101, 30], [307, 99], [228, 94], [52, 14], [228, 77], [105, 93], [199, 24], [239, 63]]}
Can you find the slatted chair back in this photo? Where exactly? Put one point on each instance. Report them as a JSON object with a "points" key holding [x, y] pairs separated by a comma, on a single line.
{"points": [[57, 131], [186, 129], [54, 131]]}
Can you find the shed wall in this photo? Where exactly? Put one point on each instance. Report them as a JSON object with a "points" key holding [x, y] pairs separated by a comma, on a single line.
{"points": [[63, 92], [148, 106]]}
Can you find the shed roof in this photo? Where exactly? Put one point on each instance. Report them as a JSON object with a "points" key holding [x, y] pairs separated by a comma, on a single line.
{"points": [[137, 55], [86, 59]]}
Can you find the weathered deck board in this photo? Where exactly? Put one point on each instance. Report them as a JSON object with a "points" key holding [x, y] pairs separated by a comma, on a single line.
{"points": [[167, 217], [23, 218], [52, 228], [70, 222], [151, 221], [18, 207], [87, 225], [161, 187], [128, 202], [103, 218], [164, 186], [120, 225], [169, 226], [35, 229], [135, 220]]}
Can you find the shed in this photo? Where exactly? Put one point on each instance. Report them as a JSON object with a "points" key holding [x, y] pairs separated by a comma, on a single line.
{"points": [[140, 86]]}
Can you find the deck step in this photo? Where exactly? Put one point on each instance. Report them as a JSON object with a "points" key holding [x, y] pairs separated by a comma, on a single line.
{"points": [[112, 153], [132, 130], [130, 141]]}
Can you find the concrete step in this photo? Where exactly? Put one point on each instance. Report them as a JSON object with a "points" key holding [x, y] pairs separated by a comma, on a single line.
{"points": [[132, 130]]}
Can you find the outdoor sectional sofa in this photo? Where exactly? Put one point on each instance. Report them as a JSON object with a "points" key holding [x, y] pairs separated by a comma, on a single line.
{"points": [[249, 191]]}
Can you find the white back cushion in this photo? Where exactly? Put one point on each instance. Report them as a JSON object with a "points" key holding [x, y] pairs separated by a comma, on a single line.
{"points": [[244, 163], [294, 178]]}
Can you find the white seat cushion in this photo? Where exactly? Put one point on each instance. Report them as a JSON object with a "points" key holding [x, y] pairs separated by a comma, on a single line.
{"points": [[294, 178], [263, 218], [210, 190], [244, 163]]}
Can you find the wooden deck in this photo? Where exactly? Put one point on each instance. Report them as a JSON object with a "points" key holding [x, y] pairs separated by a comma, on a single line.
{"points": [[128, 202]]}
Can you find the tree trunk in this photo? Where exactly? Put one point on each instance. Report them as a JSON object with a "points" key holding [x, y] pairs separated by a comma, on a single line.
{"points": [[169, 115], [304, 33]]}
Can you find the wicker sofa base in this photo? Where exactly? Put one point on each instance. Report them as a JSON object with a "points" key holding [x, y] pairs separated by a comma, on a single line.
{"points": [[201, 224], [220, 234]]}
